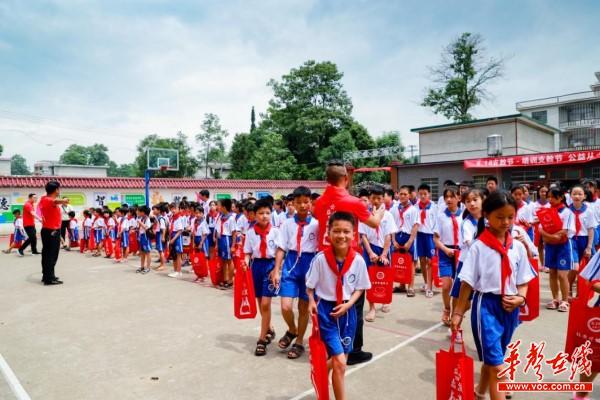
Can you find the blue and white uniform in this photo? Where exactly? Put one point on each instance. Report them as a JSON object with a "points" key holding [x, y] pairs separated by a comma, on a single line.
{"points": [[143, 240], [297, 261], [201, 230], [225, 229], [405, 219], [111, 229], [524, 218], [177, 227], [123, 229], [468, 232], [444, 229], [336, 333], [492, 326], [19, 234], [262, 265], [161, 227], [425, 245], [587, 220], [560, 256], [99, 228], [87, 228], [376, 236], [73, 231]]}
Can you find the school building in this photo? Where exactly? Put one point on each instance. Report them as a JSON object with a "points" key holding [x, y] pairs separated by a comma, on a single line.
{"points": [[85, 192], [515, 148]]}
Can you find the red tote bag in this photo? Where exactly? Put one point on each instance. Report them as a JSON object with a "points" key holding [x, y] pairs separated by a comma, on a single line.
{"points": [[318, 361], [118, 250], [531, 310], [454, 373], [244, 299], [549, 219], [216, 270], [435, 271], [199, 263], [584, 324], [108, 246], [133, 242], [82, 245], [92, 240], [382, 284], [403, 270]]}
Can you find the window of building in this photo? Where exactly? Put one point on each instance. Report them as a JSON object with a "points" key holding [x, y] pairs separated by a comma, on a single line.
{"points": [[520, 177], [480, 180], [596, 172], [541, 116], [565, 174], [434, 184]]}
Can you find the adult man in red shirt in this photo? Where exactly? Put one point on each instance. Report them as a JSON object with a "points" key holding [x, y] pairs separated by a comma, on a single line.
{"points": [[336, 198], [29, 218], [51, 221]]}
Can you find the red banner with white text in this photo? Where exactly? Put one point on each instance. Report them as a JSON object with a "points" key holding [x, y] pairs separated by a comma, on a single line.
{"points": [[559, 158]]}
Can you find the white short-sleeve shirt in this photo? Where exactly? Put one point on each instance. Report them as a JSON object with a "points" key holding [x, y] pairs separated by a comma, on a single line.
{"points": [[481, 268], [377, 236], [518, 230], [252, 243], [468, 232], [444, 228], [524, 215], [227, 226], [430, 218], [310, 236], [568, 219], [591, 272], [324, 281], [587, 218], [177, 225], [202, 228], [87, 223], [409, 218], [99, 223]]}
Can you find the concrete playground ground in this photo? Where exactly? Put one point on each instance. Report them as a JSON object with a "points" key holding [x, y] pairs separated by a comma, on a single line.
{"points": [[109, 333]]}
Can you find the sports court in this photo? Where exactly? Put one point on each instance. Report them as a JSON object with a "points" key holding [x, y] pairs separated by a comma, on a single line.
{"points": [[109, 333]]}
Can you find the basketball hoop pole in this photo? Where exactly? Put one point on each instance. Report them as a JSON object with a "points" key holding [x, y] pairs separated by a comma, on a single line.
{"points": [[147, 175]]}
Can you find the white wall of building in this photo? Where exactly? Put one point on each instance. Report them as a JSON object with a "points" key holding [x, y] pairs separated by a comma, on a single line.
{"points": [[4, 166], [75, 170]]}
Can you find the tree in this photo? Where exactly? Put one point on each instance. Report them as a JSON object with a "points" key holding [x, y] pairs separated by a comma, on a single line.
{"points": [[462, 78], [125, 170], [211, 138], [252, 120], [75, 154], [188, 165], [339, 144], [18, 165], [308, 108], [272, 160], [242, 149], [1, 149]]}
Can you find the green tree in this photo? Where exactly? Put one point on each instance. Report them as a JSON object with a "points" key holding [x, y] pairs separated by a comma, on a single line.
{"points": [[18, 165], [252, 120], [242, 149], [309, 107], [188, 165], [1, 149], [338, 145], [211, 138], [75, 154], [272, 160], [125, 170], [462, 78]]}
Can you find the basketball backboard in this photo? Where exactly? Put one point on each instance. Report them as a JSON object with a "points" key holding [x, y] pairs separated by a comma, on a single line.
{"points": [[162, 159]]}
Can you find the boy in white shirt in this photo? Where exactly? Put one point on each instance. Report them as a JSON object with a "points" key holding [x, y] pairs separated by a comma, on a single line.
{"points": [[377, 242], [337, 276], [226, 228]]}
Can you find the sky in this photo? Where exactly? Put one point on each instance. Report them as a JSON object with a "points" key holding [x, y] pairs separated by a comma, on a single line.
{"points": [[113, 72]]}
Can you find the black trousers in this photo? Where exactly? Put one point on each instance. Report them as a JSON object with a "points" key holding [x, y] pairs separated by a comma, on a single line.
{"points": [[358, 336], [50, 249], [31, 239], [64, 225]]}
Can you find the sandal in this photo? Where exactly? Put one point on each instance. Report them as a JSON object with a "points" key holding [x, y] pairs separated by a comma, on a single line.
{"points": [[286, 340], [410, 292], [429, 294], [295, 352], [370, 317], [479, 396], [270, 336], [261, 348], [446, 316], [386, 308], [553, 305], [563, 306]]}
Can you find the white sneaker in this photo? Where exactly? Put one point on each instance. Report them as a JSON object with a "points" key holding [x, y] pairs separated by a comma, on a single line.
{"points": [[175, 275]]}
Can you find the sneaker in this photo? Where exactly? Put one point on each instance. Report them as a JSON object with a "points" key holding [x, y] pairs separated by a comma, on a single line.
{"points": [[21, 254], [174, 275], [423, 288], [137, 271], [145, 270], [357, 357], [429, 294]]}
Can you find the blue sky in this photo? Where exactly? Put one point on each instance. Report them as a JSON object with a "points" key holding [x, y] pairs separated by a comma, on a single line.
{"points": [[115, 71]]}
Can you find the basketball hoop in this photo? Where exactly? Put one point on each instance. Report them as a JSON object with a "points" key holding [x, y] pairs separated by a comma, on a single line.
{"points": [[163, 168]]}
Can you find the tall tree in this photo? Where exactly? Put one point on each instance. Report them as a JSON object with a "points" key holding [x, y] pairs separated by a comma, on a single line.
{"points": [[1, 149], [212, 137], [125, 170], [461, 78], [308, 108], [252, 120], [272, 160], [242, 149], [188, 165], [75, 154], [18, 165]]}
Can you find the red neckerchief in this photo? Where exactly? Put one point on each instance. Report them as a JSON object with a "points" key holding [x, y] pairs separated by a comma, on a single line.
{"points": [[263, 238], [94, 222], [333, 266], [519, 222], [401, 211], [493, 243], [578, 217], [423, 207], [454, 225], [300, 232], [224, 218], [213, 215]]}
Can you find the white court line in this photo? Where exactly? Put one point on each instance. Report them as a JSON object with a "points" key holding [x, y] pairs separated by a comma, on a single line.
{"points": [[12, 380], [378, 356]]}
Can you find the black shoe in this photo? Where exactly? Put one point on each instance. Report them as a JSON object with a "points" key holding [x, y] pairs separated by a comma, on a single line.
{"points": [[56, 278], [358, 357], [36, 253], [56, 282], [21, 252]]}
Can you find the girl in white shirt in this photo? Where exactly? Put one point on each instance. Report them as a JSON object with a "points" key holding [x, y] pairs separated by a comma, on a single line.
{"points": [[497, 271]]}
